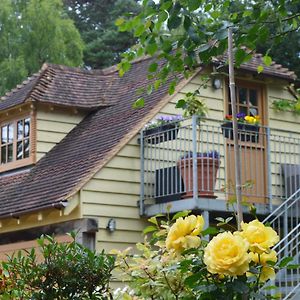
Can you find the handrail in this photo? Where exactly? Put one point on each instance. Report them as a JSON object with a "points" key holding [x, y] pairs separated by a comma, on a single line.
{"points": [[281, 209]]}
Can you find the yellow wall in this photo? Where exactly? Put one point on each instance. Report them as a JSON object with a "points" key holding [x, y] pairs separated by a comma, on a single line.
{"points": [[114, 191], [53, 126]]}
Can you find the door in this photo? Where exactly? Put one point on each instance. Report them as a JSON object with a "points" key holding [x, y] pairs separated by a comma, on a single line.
{"points": [[250, 101]]}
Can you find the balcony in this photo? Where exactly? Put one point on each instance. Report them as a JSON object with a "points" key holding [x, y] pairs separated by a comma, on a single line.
{"points": [[191, 166]]}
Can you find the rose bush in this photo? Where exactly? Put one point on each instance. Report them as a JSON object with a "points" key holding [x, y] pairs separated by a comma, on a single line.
{"points": [[180, 263]]}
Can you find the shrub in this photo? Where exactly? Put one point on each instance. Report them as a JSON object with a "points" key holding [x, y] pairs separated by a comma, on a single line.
{"points": [[65, 271]]}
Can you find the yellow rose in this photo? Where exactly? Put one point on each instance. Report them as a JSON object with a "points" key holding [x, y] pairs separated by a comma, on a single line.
{"points": [[259, 236], [267, 272], [184, 233], [227, 254]]}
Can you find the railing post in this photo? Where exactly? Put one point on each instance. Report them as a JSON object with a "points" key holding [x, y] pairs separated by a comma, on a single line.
{"points": [[195, 173], [269, 172], [142, 186]]}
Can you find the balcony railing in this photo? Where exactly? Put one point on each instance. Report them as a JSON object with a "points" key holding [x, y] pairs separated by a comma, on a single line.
{"points": [[196, 160]]}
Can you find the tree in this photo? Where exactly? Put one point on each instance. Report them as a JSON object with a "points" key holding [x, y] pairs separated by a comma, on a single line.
{"points": [[201, 29], [96, 22], [31, 33]]}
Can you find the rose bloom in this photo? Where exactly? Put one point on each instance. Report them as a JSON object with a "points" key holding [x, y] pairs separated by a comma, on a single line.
{"points": [[259, 236], [267, 272], [184, 233], [227, 254]]}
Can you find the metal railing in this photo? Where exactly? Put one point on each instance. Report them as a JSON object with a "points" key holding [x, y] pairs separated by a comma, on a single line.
{"points": [[285, 220], [195, 159]]}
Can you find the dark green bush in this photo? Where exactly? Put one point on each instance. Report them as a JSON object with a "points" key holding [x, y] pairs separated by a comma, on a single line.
{"points": [[64, 271]]}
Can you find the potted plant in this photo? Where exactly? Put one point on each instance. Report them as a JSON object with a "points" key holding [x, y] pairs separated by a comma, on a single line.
{"points": [[248, 127], [164, 128], [207, 168]]}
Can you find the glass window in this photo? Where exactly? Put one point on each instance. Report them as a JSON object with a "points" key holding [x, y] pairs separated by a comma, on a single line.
{"points": [[15, 141]]}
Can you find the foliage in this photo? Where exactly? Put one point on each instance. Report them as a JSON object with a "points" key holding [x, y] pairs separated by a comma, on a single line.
{"points": [[179, 263], [288, 105], [184, 32], [95, 21], [192, 105], [65, 271], [31, 33]]}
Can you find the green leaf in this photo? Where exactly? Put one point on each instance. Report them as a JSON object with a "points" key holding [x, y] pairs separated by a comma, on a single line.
{"points": [[153, 67], [167, 46], [284, 262], [210, 231], [260, 69], [139, 103], [267, 60], [203, 47], [157, 84], [193, 4], [139, 30], [181, 214], [174, 22], [172, 87], [181, 104], [187, 23], [149, 229], [151, 48], [153, 220], [119, 21]]}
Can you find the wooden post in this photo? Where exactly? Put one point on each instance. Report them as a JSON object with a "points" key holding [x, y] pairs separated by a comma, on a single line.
{"points": [[237, 156]]}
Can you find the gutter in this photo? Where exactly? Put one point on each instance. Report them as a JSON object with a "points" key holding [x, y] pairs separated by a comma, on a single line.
{"points": [[58, 205]]}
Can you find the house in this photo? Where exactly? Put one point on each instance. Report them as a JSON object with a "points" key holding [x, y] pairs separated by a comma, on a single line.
{"points": [[73, 156]]}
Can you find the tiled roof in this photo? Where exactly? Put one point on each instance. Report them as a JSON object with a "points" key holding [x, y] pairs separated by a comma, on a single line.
{"points": [[62, 85], [274, 70], [91, 143], [60, 171]]}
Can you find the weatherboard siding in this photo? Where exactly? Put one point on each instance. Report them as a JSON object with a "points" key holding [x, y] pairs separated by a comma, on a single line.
{"points": [[284, 149], [114, 191], [52, 127]]}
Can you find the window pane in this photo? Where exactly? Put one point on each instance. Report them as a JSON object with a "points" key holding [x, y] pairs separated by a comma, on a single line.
{"points": [[3, 135], [243, 110], [243, 96], [26, 127], [19, 150], [253, 98], [10, 133], [3, 154], [26, 148], [10, 153], [20, 129]]}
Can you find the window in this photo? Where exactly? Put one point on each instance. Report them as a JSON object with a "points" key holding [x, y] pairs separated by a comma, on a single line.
{"points": [[247, 100], [15, 141]]}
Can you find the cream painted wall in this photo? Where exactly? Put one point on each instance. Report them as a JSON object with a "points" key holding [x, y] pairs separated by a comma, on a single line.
{"points": [[52, 126], [114, 191]]}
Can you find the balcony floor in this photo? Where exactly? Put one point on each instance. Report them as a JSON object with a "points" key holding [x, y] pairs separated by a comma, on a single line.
{"points": [[202, 204]]}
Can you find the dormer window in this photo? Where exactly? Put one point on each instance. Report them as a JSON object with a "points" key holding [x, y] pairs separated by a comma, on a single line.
{"points": [[15, 142]]}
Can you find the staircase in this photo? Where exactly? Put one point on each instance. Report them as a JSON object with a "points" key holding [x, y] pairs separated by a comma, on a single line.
{"points": [[286, 221]]}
